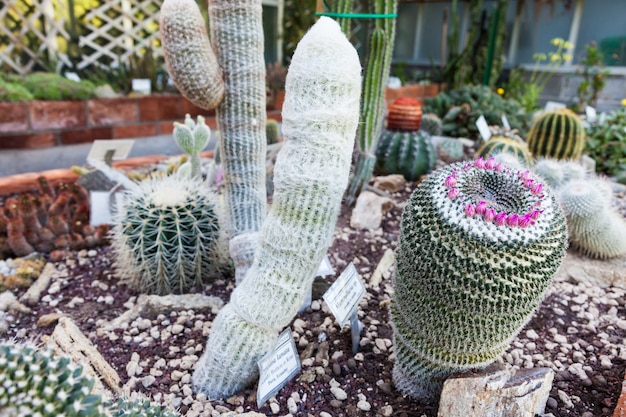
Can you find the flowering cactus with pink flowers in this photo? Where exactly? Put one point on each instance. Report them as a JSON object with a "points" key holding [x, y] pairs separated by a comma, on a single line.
{"points": [[478, 246]]}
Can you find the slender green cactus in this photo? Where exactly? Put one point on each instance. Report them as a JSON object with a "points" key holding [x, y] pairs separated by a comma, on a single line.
{"points": [[237, 40], [310, 177], [558, 134], [411, 154], [35, 382], [373, 103], [499, 144], [487, 241], [596, 229], [167, 237]]}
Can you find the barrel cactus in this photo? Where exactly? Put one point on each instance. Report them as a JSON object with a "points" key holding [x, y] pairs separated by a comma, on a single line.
{"points": [[167, 237], [478, 246], [405, 114], [431, 124], [595, 228], [411, 154], [36, 382], [272, 131], [498, 144], [558, 134]]}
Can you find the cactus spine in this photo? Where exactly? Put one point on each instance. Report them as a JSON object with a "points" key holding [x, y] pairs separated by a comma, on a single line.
{"points": [[310, 177], [499, 144], [237, 39], [487, 240], [411, 154], [373, 101], [558, 134]]}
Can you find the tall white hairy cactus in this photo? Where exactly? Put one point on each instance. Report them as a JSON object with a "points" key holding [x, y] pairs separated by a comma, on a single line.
{"points": [[320, 117]]}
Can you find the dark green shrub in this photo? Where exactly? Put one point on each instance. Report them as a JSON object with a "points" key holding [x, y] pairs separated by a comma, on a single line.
{"points": [[606, 143], [10, 91]]}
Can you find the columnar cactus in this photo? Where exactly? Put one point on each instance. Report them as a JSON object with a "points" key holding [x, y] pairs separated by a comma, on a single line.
{"points": [[595, 228], [498, 144], [478, 245], [310, 177], [411, 154], [167, 236], [237, 41], [35, 382], [558, 134]]}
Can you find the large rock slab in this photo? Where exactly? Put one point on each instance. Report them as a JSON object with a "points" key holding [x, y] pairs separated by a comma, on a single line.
{"points": [[496, 393], [369, 210], [603, 273]]}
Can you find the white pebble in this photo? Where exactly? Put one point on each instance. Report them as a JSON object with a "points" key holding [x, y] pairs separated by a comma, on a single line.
{"points": [[339, 393], [364, 405]]}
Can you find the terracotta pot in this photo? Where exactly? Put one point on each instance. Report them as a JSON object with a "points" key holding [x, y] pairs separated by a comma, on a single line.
{"points": [[279, 99]]}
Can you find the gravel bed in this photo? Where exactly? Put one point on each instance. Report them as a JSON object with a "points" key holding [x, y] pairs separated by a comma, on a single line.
{"points": [[579, 331]]}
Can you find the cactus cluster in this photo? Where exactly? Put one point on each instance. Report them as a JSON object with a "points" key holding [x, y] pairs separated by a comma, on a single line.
{"points": [[167, 236], [557, 134], [411, 154], [499, 144], [478, 246], [35, 382], [310, 177], [47, 220]]}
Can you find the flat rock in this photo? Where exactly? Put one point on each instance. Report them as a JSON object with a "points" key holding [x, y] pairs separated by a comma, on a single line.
{"points": [[369, 210], [390, 183], [496, 393], [603, 273], [383, 266]]}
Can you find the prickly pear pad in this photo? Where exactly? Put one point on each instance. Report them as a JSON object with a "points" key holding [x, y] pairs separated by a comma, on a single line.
{"points": [[478, 246]]}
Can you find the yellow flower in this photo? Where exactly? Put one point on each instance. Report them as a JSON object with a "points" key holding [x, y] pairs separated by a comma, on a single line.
{"points": [[567, 57], [624, 102], [500, 91], [568, 45], [557, 41]]}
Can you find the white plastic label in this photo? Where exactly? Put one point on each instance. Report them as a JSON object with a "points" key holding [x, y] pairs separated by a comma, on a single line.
{"points": [[591, 113], [72, 76], [100, 208], [277, 367], [325, 268], [141, 85], [505, 122], [483, 128], [120, 147], [554, 105], [344, 295]]}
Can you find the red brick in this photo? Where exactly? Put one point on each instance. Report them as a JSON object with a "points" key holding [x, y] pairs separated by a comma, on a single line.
{"points": [[110, 111], [57, 114], [13, 117], [28, 141], [191, 109], [71, 137], [135, 131], [159, 107], [166, 128]]}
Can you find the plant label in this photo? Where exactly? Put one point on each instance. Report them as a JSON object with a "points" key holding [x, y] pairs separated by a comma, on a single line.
{"points": [[325, 268], [505, 122], [277, 367], [72, 76], [100, 212], [554, 105], [116, 149], [141, 85], [344, 295], [591, 113], [483, 128]]}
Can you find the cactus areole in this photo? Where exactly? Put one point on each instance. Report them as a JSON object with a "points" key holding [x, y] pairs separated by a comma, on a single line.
{"points": [[478, 246]]}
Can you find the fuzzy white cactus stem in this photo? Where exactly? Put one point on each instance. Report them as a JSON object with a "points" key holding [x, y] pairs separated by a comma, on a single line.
{"points": [[320, 117], [237, 47]]}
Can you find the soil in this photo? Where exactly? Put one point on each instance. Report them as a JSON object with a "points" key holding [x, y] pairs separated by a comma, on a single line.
{"points": [[326, 350]]}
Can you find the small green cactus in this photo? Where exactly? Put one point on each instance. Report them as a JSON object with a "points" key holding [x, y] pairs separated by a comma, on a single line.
{"points": [[596, 229], [431, 124], [499, 144], [411, 154], [558, 134], [167, 236], [192, 138], [272, 131], [478, 246]]}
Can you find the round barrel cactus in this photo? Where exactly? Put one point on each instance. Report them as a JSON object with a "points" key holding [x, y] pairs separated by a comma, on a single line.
{"points": [[478, 246], [499, 144], [557, 134], [167, 235], [431, 124], [405, 113], [411, 154]]}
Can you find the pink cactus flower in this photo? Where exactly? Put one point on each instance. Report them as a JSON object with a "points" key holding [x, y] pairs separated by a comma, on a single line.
{"points": [[535, 214], [479, 163], [512, 220], [490, 214], [525, 175], [529, 183], [450, 181], [525, 220], [536, 189], [499, 167], [453, 193], [491, 163], [500, 219], [470, 210], [481, 208]]}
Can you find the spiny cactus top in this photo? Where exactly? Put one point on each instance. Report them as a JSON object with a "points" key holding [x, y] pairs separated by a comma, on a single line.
{"points": [[479, 244], [557, 134]]}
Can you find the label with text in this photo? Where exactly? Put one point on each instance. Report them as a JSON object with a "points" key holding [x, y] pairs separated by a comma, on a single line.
{"points": [[483, 128], [505, 122], [277, 367], [344, 295]]}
